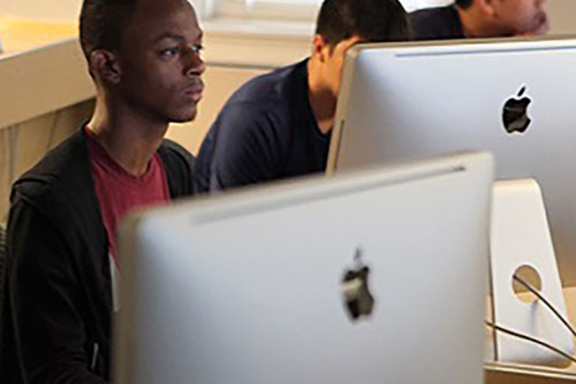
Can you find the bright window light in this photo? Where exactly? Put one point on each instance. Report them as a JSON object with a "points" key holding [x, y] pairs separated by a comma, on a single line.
{"points": [[295, 9]]}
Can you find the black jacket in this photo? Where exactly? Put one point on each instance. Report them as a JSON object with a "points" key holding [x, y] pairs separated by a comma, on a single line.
{"points": [[59, 282]]}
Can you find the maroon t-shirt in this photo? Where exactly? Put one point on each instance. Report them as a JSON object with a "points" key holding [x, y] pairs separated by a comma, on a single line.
{"points": [[119, 192]]}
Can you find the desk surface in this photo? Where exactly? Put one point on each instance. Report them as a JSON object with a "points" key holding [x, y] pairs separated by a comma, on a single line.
{"points": [[42, 69], [495, 373], [19, 36]]}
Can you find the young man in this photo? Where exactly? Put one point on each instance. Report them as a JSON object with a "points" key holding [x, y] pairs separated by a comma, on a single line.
{"points": [[144, 57], [480, 18], [278, 125]]}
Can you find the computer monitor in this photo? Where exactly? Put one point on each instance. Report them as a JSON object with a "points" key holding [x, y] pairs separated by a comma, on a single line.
{"points": [[411, 100], [369, 278]]}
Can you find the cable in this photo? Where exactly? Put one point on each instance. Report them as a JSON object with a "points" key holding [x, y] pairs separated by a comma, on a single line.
{"points": [[531, 339], [546, 302]]}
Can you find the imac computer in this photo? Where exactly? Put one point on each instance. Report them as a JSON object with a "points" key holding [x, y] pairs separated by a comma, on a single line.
{"points": [[516, 99], [367, 278]]}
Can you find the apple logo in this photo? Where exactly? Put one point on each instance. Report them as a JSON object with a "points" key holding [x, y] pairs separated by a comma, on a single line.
{"points": [[515, 114], [358, 301]]}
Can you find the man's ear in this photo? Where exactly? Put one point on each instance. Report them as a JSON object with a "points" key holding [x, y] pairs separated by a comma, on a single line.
{"points": [[320, 48], [104, 66], [488, 7]]}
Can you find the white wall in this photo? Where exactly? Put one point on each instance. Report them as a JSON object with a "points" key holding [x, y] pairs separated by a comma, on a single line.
{"points": [[45, 10], [64, 10], [562, 15], [562, 12], [412, 5]]}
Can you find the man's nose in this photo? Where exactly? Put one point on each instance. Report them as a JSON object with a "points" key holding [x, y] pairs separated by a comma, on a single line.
{"points": [[194, 65]]}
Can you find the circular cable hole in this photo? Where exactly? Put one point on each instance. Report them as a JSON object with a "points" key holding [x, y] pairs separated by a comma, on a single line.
{"points": [[530, 276]]}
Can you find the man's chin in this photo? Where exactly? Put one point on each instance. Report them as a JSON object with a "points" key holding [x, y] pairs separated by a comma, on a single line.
{"points": [[534, 32], [541, 28], [184, 117]]}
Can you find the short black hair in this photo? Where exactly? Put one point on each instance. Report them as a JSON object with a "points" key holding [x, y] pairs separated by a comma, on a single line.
{"points": [[101, 23], [373, 20], [464, 3]]}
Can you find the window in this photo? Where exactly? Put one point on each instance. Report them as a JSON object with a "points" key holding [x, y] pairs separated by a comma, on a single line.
{"points": [[293, 9], [269, 9]]}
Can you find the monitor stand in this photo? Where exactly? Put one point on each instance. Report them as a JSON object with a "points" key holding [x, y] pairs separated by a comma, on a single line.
{"points": [[521, 243]]}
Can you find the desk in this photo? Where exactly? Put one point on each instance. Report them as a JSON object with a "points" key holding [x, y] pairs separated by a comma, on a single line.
{"points": [[44, 88], [42, 63], [523, 374]]}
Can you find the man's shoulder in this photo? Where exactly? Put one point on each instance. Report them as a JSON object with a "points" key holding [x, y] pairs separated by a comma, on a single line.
{"points": [[174, 152], [266, 104], [434, 13], [273, 87], [438, 22], [60, 168], [59, 186], [178, 164]]}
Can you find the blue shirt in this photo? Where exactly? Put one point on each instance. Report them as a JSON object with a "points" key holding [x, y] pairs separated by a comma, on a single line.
{"points": [[266, 131]]}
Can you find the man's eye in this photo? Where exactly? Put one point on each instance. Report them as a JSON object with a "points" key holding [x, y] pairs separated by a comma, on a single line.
{"points": [[170, 52], [197, 49]]}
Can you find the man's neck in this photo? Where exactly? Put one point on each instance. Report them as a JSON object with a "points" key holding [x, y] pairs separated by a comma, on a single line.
{"points": [[322, 101], [128, 138]]}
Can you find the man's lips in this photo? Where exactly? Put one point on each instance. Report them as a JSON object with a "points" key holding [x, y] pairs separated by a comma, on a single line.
{"points": [[195, 92]]}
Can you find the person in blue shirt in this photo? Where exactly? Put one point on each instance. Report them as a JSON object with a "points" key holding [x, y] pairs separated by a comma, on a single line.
{"points": [[278, 125], [480, 19]]}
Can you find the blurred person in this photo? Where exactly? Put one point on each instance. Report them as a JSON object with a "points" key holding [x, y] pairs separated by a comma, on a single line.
{"points": [[480, 19]]}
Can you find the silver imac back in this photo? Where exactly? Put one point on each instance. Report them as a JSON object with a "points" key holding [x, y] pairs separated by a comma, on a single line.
{"points": [[377, 277], [516, 99]]}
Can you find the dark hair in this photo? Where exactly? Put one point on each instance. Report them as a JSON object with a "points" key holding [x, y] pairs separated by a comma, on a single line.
{"points": [[464, 3], [373, 20], [101, 23]]}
